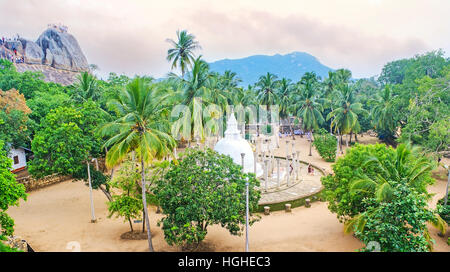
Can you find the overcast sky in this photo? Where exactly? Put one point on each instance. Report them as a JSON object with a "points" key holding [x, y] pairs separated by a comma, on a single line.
{"points": [[130, 36]]}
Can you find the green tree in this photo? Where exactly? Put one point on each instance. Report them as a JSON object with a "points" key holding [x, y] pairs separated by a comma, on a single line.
{"points": [[10, 193], [345, 114], [182, 55], [140, 129], [127, 201], [383, 114], [204, 188], [60, 145], [308, 104], [266, 92], [398, 225], [86, 87], [380, 193], [326, 145]]}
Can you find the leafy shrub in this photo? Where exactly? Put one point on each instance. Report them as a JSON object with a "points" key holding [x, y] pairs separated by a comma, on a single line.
{"points": [[398, 225], [204, 188], [10, 193], [342, 201], [444, 211], [326, 145], [380, 193]]}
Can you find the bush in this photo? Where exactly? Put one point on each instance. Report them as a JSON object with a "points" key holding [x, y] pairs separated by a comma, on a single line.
{"points": [[10, 193], [347, 169], [326, 145], [380, 193], [204, 188], [444, 211]]}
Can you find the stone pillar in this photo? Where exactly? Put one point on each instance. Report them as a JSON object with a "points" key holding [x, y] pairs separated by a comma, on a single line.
{"points": [[273, 161], [294, 165], [266, 172], [266, 210], [278, 172], [287, 207], [298, 165], [287, 148], [307, 203], [288, 170], [254, 163]]}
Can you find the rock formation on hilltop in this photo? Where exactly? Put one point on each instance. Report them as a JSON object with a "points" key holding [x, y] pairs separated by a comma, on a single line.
{"points": [[54, 51]]}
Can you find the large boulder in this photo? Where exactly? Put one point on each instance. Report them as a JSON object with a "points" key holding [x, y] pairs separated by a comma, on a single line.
{"points": [[64, 49], [33, 53]]}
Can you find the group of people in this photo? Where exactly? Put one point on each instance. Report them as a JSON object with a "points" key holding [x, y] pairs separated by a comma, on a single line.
{"points": [[5, 54], [296, 132]]}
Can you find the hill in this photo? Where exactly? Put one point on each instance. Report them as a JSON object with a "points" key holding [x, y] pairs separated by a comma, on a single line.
{"points": [[56, 53], [291, 66]]}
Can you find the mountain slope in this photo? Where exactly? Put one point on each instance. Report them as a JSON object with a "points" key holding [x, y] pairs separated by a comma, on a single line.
{"points": [[291, 66]]}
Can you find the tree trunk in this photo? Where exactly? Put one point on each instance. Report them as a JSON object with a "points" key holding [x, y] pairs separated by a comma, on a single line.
{"points": [[143, 221], [292, 131], [356, 137], [144, 201], [131, 225], [107, 194], [310, 144], [340, 146], [351, 135]]}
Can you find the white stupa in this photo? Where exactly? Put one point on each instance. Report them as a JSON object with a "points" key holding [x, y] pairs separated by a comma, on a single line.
{"points": [[233, 145]]}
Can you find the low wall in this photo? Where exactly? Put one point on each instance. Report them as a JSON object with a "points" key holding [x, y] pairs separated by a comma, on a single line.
{"points": [[34, 184]]}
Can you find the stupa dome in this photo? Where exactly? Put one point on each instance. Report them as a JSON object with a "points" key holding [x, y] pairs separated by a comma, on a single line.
{"points": [[233, 145]]}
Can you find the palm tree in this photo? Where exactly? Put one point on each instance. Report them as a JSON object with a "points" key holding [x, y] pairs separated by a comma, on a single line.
{"points": [[343, 76], [194, 91], [345, 115], [284, 93], [266, 92], [181, 55], [383, 115], [308, 105], [407, 167], [139, 129], [85, 87]]}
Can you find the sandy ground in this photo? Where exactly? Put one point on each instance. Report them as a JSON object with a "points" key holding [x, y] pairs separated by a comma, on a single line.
{"points": [[53, 218]]}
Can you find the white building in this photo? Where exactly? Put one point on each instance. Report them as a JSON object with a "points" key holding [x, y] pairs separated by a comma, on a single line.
{"points": [[19, 159]]}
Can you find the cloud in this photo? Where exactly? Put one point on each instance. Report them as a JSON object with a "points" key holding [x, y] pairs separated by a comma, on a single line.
{"points": [[257, 32], [129, 37]]}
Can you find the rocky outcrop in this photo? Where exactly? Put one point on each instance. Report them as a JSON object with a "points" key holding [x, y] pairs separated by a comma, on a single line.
{"points": [[61, 50], [32, 51], [56, 54], [54, 47]]}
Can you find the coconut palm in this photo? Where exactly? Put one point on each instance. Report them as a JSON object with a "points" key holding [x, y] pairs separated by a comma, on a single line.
{"points": [[383, 113], [343, 76], [139, 129], [284, 92], [308, 105], [181, 55], [266, 92], [345, 114], [193, 91], [408, 167], [85, 87]]}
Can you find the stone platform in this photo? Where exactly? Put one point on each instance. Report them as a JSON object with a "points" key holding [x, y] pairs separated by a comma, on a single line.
{"points": [[308, 185]]}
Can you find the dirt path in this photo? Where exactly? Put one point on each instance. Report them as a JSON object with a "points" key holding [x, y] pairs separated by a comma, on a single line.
{"points": [[54, 216]]}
